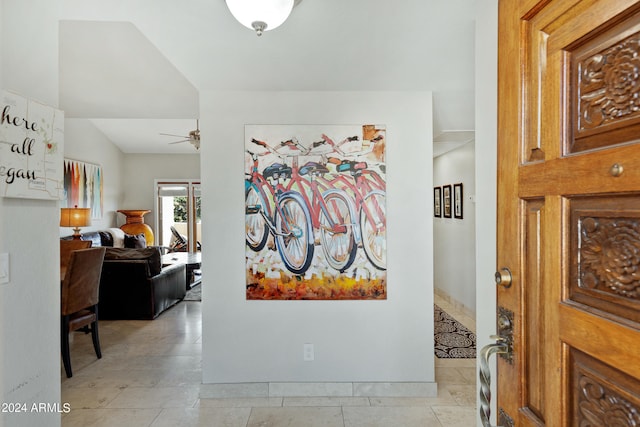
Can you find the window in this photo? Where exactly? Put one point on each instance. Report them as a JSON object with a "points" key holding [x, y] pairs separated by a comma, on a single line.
{"points": [[178, 219]]}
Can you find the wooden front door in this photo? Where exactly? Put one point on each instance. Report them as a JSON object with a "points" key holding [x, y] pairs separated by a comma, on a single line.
{"points": [[569, 212]]}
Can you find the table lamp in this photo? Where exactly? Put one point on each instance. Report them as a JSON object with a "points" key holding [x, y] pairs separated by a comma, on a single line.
{"points": [[75, 217]]}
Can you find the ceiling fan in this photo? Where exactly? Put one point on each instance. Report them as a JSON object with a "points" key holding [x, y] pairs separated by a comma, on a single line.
{"points": [[193, 137]]}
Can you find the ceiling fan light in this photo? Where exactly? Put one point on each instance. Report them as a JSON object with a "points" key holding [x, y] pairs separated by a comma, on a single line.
{"points": [[260, 15]]}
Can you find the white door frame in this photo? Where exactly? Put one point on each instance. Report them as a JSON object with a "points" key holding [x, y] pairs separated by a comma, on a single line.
{"points": [[486, 118]]}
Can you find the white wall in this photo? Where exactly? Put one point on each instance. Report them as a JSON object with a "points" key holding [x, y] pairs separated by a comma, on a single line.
{"points": [[369, 341], [140, 171], [454, 239], [486, 169], [84, 142], [30, 303]]}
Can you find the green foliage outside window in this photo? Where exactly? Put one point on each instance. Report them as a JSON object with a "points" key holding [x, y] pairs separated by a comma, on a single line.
{"points": [[180, 209]]}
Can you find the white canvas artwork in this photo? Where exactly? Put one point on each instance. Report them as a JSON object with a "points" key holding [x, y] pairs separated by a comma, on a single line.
{"points": [[31, 149]]}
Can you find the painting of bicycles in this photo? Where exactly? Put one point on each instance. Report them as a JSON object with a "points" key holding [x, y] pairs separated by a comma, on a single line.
{"points": [[315, 212]]}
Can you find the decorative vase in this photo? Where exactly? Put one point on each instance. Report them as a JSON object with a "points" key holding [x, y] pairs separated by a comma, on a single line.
{"points": [[135, 223]]}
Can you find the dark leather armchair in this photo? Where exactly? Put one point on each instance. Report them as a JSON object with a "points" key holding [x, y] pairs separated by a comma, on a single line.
{"points": [[79, 299]]}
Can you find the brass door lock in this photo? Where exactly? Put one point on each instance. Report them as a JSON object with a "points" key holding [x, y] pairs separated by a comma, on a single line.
{"points": [[503, 277]]}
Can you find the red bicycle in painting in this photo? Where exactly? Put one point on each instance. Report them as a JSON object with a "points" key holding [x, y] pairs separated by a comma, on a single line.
{"points": [[368, 190], [292, 211], [260, 196]]}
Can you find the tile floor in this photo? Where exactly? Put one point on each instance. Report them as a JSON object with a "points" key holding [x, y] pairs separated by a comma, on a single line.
{"points": [[150, 376]]}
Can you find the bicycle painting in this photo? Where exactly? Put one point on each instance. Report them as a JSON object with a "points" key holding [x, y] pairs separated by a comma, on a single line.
{"points": [[315, 212]]}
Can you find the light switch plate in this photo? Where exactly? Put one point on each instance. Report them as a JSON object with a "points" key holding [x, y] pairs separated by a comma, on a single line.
{"points": [[4, 268]]}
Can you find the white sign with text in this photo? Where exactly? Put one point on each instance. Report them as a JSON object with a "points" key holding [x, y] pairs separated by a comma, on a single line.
{"points": [[31, 149]]}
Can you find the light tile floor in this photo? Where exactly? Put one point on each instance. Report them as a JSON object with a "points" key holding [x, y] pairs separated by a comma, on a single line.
{"points": [[150, 375]]}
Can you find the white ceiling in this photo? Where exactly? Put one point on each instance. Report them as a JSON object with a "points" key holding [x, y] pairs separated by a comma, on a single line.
{"points": [[450, 140], [136, 68]]}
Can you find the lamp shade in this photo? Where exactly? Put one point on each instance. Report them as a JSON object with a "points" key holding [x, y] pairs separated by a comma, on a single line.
{"points": [[260, 15], [75, 217]]}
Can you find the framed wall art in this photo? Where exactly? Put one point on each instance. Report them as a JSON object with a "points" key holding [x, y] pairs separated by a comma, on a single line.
{"points": [[446, 201], [315, 212], [437, 202], [457, 201]]}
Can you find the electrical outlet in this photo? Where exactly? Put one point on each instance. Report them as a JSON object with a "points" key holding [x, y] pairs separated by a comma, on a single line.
{"points": [[308, 355]]}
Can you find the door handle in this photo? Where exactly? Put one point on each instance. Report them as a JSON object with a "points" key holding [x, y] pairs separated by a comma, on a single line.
{"points": [[500, 346], [504, 347]]}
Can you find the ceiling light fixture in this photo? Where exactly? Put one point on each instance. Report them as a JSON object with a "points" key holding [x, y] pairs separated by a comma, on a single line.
{"points": [[260, 15]]}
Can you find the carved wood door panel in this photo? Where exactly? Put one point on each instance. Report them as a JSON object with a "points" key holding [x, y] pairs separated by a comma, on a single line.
{"points": [[569, 211]]}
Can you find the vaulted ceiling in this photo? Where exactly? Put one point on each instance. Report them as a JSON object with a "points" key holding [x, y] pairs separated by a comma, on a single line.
{"points": [[135, 69]]}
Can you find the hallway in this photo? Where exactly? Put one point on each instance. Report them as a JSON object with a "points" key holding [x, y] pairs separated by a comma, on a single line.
{"points": [[150, 375]]}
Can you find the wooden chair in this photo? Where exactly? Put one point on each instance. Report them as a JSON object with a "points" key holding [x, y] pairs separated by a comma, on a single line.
{"points": [[66, 247], [79, 299]]}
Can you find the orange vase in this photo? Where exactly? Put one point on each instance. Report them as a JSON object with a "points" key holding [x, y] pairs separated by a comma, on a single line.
{"points": [[135, 224]]}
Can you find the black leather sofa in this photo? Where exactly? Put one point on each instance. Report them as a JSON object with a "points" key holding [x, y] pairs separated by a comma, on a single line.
{"points": [[134, 285]]}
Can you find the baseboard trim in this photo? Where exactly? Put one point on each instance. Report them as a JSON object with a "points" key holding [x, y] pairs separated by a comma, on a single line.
{"points": [[467, 311], [320, 389]]}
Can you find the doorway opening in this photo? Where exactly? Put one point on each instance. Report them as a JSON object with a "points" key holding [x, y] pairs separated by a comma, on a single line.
{"points": [[178, 222], [454, 246]]}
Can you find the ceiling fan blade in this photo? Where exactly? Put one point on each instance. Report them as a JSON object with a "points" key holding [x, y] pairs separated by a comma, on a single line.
{"points": [[171, 134], [179, 142]]}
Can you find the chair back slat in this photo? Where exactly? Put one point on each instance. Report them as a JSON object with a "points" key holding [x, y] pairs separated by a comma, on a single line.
{"points": [[80, 286]]}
